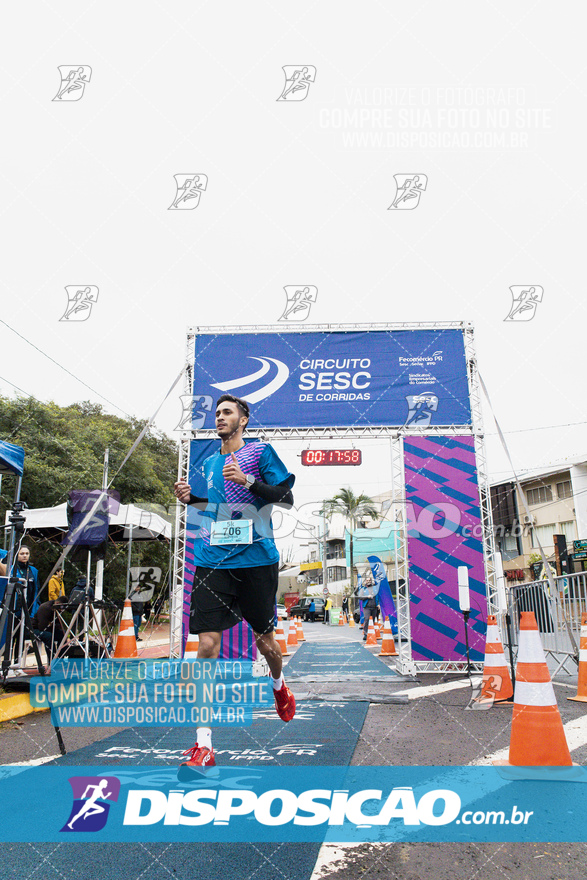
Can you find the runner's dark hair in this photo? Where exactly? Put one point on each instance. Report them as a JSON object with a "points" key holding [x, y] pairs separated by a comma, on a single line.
{"points": [[242, 405]]}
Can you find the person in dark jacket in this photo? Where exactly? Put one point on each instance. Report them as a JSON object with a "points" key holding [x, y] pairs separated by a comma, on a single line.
{"points": [[137, 616], [345, 608], [46, 626], [370, 610]]}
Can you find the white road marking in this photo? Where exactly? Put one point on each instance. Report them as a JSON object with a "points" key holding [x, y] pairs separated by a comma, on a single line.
{"points": [[432, 689], [5, 772], [34, 762]]}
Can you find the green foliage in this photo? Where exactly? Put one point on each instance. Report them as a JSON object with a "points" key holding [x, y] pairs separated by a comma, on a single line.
{"points": [[64, 450], [353, 508]]}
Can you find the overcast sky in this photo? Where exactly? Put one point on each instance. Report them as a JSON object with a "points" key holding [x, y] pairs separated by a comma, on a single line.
{"points": [[297, 193]]}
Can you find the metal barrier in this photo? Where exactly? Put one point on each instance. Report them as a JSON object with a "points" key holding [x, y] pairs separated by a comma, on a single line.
{"points": [[558, 616]]}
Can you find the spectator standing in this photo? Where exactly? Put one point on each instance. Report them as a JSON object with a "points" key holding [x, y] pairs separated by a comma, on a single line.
{"points": [[370, 609], [56, 588], [137, 616], [345, 608]]}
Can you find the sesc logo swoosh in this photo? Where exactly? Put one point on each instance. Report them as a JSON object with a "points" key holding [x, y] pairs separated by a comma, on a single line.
{"points": [[261, 393]]}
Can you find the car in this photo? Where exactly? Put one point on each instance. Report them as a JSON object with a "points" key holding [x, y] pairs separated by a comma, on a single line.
{"points": [[301, 609], [281, 612]]}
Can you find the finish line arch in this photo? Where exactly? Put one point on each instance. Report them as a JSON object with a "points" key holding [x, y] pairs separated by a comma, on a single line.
{"points": [[413, 383]]}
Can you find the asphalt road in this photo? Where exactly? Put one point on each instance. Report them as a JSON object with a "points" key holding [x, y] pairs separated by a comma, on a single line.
{"points": [[433, 729]]}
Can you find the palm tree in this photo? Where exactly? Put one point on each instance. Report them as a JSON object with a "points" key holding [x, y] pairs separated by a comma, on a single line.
{"points": [[353, 507]]}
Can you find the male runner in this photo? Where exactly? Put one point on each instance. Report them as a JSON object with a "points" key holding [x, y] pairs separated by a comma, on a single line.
{"points": [[236, 581]]}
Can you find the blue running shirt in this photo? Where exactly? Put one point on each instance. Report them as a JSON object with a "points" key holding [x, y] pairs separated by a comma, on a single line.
{"points": [[228, 500]]}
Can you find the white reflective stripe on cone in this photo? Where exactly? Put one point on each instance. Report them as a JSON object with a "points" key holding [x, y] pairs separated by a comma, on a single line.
{"points": [[530, 647], [582, 655], [495, 659], [540, 693]]}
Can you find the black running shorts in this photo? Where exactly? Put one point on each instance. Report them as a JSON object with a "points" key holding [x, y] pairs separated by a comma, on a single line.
{"points": [[223, 597]]}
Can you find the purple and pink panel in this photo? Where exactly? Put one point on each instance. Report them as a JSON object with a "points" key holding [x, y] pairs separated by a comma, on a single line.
{"points": [[444, 532]]}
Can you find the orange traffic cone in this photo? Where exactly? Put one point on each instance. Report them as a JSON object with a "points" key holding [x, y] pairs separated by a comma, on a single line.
{"points": [[126, 644], [537, 738], [190, 651], [387, 644], [496, 684], [280, 637], [351, 620], [300, 630], [371, 637], [581, 696], [292, 637], [341, 618], [378, 631]]}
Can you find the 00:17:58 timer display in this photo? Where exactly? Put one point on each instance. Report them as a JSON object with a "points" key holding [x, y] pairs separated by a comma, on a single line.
{"points": [[331, 456]]}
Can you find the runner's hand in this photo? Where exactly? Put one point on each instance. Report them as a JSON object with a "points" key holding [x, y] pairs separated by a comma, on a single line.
{"points": [[231, 471], [182, 491]]}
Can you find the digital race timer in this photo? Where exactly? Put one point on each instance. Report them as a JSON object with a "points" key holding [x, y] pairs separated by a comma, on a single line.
{"points": [[332, 456]]}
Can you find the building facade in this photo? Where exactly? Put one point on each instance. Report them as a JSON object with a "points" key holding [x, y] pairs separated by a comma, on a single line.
{"points": [[556, 504]]}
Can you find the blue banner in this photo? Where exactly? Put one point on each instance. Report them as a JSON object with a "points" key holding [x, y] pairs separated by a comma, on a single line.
{"points": [[322, 379], [11, 458], [94, 804], [85, 530]]}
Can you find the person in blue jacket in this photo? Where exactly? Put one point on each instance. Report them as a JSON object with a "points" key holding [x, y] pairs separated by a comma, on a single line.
{"points": [[22, 568]]}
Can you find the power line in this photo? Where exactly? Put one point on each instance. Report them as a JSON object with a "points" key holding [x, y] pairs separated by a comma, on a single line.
{"points": [[18, 388], [36, 347]]}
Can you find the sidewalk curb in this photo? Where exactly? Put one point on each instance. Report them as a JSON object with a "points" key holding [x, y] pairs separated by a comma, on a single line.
{"points": [[14, 706]]}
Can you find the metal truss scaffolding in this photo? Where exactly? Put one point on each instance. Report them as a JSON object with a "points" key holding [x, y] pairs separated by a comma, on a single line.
{"points": [[396, 435]]}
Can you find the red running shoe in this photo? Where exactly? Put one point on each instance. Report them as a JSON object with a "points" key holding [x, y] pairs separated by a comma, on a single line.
{"points": [[285, 703], [200, 760]]}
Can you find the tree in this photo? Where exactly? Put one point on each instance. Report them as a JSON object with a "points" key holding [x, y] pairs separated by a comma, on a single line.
{"points": [[352, 507], [64, 450]]}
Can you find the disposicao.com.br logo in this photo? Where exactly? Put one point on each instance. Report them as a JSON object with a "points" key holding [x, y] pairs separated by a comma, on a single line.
{"points": [[313, 807], [281, 806], [293, 802]]}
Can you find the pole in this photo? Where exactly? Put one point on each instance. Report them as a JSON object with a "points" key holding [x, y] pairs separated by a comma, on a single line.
{"points": [[466, 619], [128, 563], [86, 609], [324, 553], [100, 563]]}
